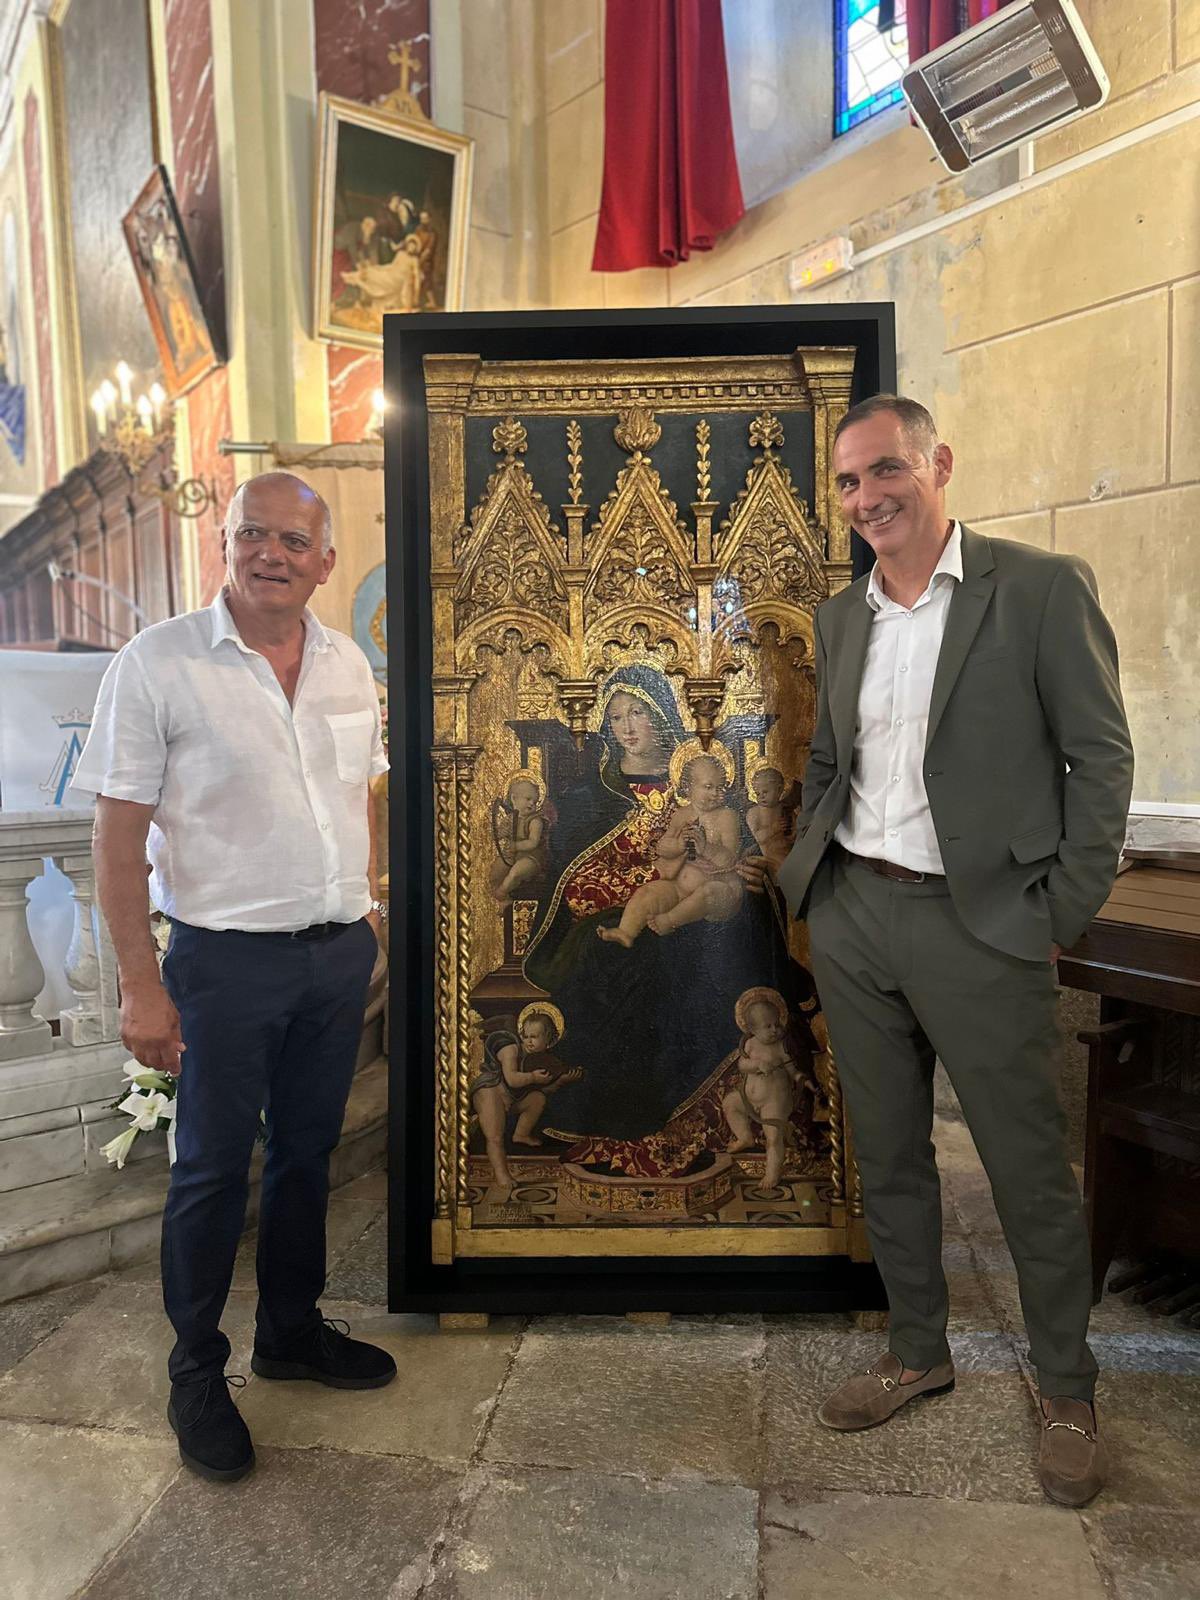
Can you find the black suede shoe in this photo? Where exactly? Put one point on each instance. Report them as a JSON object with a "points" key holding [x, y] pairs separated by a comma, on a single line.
{"points": [[328, 1355], [213, 1439]]}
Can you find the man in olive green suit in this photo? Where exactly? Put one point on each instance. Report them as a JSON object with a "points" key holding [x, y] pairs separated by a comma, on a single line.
{"points": [[964, 809]]}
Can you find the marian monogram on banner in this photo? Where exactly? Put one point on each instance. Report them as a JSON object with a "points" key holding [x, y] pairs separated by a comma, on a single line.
{"points": [[74, 726], [46, 707]]}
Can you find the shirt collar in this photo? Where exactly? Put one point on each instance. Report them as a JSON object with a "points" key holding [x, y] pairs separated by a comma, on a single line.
{"points": [[950, 565], [224, 627]]}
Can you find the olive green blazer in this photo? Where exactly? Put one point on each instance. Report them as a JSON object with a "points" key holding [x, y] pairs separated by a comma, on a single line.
{"points": [[1028, 761]]}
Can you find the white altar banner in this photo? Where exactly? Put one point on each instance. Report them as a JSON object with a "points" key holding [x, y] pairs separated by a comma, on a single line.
{"points": [[46, 705]]}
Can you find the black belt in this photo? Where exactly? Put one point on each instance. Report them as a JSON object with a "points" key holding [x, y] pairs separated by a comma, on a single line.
{"points": [[891, 869], [318, 930]]}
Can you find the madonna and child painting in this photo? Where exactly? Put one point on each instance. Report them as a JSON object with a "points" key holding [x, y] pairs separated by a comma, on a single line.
{"points": [[671, 1037]]}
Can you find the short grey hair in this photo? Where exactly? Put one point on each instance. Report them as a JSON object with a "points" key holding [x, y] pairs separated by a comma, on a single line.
{"points": [[919, 427], [234, 509]]}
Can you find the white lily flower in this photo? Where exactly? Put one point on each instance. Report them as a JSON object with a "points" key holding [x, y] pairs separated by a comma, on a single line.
{"points": [[147, 1077], [145, 1109], [118, 1149]]}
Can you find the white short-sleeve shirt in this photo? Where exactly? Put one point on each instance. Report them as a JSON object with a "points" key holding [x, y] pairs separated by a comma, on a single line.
{"points": [[261, 806]]}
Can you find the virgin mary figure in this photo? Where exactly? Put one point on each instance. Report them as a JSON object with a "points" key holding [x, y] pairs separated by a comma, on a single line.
{"points": [[653, 1026]]}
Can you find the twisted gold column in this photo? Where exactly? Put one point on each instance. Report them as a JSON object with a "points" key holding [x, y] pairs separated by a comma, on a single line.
{"points": [[464, 771]]}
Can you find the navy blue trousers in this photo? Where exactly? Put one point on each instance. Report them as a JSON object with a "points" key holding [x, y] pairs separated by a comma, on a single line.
{"points": [[271, 1024]]}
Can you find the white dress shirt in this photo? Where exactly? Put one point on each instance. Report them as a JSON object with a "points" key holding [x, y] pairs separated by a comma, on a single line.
{"points": [[887, 815], [261, 819]]}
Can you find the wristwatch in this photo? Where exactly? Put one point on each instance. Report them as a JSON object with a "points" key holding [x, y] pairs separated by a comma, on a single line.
{"points": [[380, 908]]}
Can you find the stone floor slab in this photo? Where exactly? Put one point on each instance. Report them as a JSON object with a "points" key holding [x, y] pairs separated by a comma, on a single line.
{"points": [[25, 1323], [1157, 1349], [107, 1366], [435, 1408], [71, 1496], [1152, 1425], [977, 1443], [1145, 1554], [586, 1536], [307, 1522], [361, 1273], [348, 1220], [845, 1547], [973, 1306], [370, 1189], [603, 1394]]}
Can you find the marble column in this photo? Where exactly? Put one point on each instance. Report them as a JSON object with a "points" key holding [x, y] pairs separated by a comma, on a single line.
{"points": [[21, 973], [81, 1023]]}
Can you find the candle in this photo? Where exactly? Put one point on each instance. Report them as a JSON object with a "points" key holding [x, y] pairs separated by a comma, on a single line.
{"points": [[158, 398], [125, 379], [144, 410], [98, 408], [110, 399]]}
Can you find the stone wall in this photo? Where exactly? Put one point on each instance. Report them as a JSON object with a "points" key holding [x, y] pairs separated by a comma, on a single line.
{"points": [[1052, 324]]}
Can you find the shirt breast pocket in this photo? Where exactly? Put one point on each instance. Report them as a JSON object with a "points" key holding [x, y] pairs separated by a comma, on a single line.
{"points": [[352, 731]]}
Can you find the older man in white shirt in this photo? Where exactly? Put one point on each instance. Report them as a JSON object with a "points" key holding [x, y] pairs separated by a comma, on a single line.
{"points": [[234, 746]]}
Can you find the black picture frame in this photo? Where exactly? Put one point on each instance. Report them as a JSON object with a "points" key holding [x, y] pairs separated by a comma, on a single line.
{"points": [[571, 1284]]}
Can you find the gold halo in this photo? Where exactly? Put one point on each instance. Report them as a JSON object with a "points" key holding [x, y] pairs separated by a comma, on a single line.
{"points": [[547, 1010], [690, 749], [754, 767], [760, 996], [526, 775]]}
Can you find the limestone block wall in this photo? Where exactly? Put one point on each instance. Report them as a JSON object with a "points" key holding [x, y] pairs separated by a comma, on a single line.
{"points": [[502, 83], [1050, 316]]}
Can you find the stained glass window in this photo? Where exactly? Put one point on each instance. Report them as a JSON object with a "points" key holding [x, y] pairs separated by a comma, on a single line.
{"points": [[867, 62]]}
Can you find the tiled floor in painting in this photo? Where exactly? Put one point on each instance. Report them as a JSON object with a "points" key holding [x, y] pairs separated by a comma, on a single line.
{"points": [[583, 1459]]}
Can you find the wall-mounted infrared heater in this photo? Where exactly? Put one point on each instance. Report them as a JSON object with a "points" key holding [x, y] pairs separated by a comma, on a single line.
{"points": [[1011, 77]]}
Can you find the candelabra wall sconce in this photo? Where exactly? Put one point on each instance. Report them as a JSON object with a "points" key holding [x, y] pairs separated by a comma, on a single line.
{"points": [[138, 433]]}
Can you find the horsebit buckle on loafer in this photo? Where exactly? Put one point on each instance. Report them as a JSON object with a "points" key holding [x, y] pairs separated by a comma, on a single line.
{"points": [[1090, 1437]]}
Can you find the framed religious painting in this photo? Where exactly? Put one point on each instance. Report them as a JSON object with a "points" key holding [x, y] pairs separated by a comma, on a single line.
{"points": [[612, 1087], [390, 221], [166, 275]]}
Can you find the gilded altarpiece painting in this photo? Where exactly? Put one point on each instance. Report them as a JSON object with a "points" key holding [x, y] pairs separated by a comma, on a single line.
{"points": [[625, 557]]}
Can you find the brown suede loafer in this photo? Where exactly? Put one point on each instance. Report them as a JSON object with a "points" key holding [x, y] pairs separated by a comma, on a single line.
{"points": [[871, 1397], [1072, 1462]]}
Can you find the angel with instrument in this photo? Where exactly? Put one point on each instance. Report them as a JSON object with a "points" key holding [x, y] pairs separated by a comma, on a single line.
{"points": [[520, 1070], [521, 830]]}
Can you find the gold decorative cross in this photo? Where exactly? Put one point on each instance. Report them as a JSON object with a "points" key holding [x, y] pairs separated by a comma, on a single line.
{"points": [[402, 102], [403, 57]]}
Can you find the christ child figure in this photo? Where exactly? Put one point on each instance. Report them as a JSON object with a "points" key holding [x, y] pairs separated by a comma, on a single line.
{"points": [[769, 1072], [519, 1072], [522, 840], [695, 859], [770, 819]]}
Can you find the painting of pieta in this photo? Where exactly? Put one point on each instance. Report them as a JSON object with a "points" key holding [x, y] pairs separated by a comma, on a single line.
{"points": [[625, 557], [391, 219]]}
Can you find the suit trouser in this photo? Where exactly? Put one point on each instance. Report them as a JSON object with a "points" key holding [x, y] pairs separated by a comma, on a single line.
{"points": [[901, 982], [269, 1023]]}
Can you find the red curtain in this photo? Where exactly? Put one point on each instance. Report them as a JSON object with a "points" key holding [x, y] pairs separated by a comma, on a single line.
{"points": [[671, 180], [934, 22]]}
